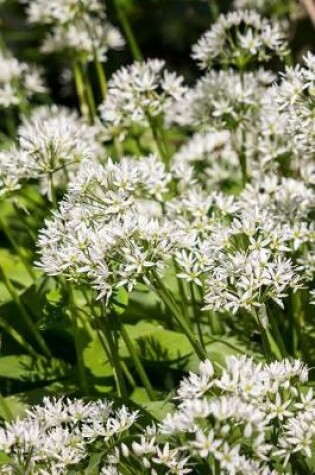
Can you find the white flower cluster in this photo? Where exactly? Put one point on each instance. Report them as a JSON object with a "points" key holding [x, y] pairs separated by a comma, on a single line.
{"points": [[271, 125], [238, 39], [121, 222], [222, 98], [51, 144], [252, 419], [295, 99], [61, 434], [208, 158], [110, 228], [18, 81], [78, 27], [138, 95]]}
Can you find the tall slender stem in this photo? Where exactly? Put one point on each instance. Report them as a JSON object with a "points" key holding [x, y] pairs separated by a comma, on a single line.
{"points": [[17, 337], [89, 93], [52, 191], [79, 84], [182, 293], [214, 10], [75, 319], [115, 360], [130, 37], [264, 337], [275, 331], [196, 314], [242, 158], [101, 76], [171, 304], [160, 140], [137, 362]]}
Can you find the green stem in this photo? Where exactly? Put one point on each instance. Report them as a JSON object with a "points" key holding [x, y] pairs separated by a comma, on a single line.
{"points": [[214, 10], [128, 375], [27, 265], [115, 360], [159, 140], [101, 76], [265, 341], [17, 337], [182, 293], [138, 364], [79, 84], [296, 321], [171, 304], [103, 342], [196, 314], [52, 191], [24, 314], [275, 331], [75, 320], [131, 40], [89, 93], [242, 158]]}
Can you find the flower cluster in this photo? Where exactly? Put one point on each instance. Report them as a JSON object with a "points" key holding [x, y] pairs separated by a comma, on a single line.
{"points": [[18, 81], [295, 101], [238, 39], [138, 95], [52, 143], [222, 98], [207, 158], [99, 233], [77, 27], [252, 419], [61, 435]]}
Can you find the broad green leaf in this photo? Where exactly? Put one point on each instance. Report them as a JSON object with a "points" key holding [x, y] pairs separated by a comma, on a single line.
{"points": [[32, 368], [157, 344], [94, 464], [158, 409], [119, 301], [14, 268], [4, 458]]}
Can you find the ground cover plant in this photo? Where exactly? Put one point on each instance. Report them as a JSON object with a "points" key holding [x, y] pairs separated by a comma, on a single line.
{"points": [[157, 240]]}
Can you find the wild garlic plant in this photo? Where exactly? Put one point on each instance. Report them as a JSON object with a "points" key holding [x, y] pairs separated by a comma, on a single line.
{"points": [[252, 418], [167, 226], [19, 83], [63, 434], [245, 418]]}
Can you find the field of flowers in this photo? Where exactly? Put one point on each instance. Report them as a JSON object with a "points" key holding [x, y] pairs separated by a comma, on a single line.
{"points": [[157, 238]]}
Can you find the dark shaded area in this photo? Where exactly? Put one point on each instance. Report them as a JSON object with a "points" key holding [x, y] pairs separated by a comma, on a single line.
{"points": [[163, 28]]}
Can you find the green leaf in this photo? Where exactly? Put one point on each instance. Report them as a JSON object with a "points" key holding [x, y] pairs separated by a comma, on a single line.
{"points": [[14, 268], [155, 343], [158, 409], [4, 458], [32, 368], [94, 464], [119, 301]]}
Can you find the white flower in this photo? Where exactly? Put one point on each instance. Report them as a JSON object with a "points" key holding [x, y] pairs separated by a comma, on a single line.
{"points": [[138, 94], [18, 81], [227, 43]]}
